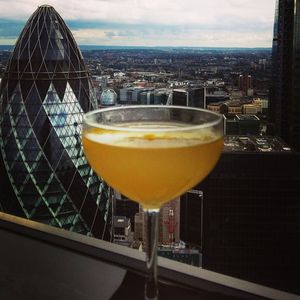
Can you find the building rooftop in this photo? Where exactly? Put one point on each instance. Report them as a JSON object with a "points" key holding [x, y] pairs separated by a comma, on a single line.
{"points": [[46, 5], [234, 143], [121, 221], [244, 117]]}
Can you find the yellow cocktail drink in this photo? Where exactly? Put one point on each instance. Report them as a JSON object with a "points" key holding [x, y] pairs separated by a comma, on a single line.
{"points": [[152, 154], [152, 167]]}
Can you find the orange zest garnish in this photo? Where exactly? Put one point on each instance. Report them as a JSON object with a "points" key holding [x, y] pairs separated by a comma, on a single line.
{"points": [[149, 137]]}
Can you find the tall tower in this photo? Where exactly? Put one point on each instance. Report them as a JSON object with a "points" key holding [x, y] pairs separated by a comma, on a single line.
{"points": [[170, 223], [285, 94], [45, 90], [245, 83]]}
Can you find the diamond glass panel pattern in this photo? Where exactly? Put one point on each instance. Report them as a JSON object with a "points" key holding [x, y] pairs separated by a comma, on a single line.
{"points": [[44, 93]]}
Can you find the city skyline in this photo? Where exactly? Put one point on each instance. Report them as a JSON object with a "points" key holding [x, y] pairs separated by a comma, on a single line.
{"points": [[221, 23]]}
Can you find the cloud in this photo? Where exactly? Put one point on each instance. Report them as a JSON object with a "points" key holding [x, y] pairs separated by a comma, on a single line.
{"points": [[145, 11], [156, 22], [172, 36]]}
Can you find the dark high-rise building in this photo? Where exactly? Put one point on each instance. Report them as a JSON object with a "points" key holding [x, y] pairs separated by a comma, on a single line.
{"points": [[191, 224], [285, 92], [251, 213], [45, 90], [180, 97], [125, 207], [245, 83], [193, 97]]}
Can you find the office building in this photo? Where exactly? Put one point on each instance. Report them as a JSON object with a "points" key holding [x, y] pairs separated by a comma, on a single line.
{"points": [[45, 90], [122, 233], [214, 95], [246, 85], [251, 213], [154, 96], [132, 95], [122, 206], [226, 108], [191, 225], [285, 96], [139, 226], [147, 98], [194, 97], [161, 96], [242, 125], [169, 224]]}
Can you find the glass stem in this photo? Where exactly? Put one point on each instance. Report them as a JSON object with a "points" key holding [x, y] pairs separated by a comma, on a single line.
{"points": [[151, 290]]}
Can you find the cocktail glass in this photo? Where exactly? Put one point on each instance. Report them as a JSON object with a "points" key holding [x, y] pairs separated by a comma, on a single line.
{"points": [[152, 154]]}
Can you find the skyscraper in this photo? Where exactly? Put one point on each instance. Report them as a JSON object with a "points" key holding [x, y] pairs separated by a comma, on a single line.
{"points": [[191, 225], [193, 97], [285, 92], [250, 218], [169, 223], [245, 84], [45, 90]]}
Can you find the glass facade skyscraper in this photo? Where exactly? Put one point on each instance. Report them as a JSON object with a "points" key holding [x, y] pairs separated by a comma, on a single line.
{"points": [[45, 90], [250, 212], [285, 92]]}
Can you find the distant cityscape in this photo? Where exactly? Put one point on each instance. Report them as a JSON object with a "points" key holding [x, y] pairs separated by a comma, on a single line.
{"points": [[239, 221], [234, 82]]}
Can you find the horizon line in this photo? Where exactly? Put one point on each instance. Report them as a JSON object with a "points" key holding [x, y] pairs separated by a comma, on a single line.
{"points": [[141, 46]]}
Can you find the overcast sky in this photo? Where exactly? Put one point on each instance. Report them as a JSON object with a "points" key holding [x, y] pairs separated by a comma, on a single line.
{"points": [[198, 23]]}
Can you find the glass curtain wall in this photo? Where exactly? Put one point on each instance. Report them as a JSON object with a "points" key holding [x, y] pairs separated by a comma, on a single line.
{"points": [[45, 90]]}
